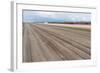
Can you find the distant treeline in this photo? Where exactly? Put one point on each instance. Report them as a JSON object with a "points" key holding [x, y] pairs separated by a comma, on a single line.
{"points": [[72, 22], [88, 23]]}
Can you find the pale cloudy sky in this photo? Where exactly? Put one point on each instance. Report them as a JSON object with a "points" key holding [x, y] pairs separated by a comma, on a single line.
{"points": [[45, 16]]}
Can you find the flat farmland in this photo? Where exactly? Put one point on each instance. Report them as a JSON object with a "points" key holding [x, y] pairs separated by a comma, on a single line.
{"points": [[44, 42]]}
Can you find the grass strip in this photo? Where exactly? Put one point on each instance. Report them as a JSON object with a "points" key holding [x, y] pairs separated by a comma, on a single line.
{"points": [[77, 28]]}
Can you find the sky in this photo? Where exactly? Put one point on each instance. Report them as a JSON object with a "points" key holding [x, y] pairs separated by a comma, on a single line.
{"points": [[47, 16]]}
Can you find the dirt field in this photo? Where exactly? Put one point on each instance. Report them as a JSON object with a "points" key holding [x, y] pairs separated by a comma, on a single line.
{"points": [[74, 25], [54, 43]]}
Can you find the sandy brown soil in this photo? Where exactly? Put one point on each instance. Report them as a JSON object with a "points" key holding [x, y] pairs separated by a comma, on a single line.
{"points": [[74, 25], [54, 43]]}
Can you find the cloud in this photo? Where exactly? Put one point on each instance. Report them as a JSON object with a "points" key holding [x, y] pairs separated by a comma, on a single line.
{"points": [[45, 16]]}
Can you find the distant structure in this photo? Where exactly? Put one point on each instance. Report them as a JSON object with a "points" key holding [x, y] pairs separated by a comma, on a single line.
{"points": [[45, 22]]}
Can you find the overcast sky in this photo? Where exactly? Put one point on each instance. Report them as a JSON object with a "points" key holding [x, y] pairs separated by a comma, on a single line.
{"points": [[45, 16]]}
